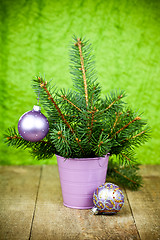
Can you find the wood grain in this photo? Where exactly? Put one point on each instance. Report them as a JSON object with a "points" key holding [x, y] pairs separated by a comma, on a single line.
{"points": [[18, 190], [145, 204], [150, 170], [31, 207]]}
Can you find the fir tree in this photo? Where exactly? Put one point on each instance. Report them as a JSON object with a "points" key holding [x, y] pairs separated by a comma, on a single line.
{"points": [[83, 124]]}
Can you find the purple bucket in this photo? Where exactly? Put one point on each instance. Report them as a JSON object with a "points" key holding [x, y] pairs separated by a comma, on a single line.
{"points": [[79, 178]]}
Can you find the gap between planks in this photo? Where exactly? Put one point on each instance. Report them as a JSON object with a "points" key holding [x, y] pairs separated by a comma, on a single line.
{"points": [[40, 177]]}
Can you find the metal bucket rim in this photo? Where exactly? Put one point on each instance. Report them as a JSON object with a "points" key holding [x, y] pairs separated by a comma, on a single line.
{"points": [[82, 159]]}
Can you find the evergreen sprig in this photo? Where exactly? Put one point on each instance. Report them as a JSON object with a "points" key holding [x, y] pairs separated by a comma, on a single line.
{"points": [[126, 175], [43, 149], [83, 124]]}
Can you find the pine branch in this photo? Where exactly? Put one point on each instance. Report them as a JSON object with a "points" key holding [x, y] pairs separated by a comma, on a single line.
{"points": [[136, 140], [64, 142], [126, 175], [43, 150], [137, 118], [43, 85], [116, 121], [102, 145], [13, 137], [10, 138], [125, 156], [130, 180], [94, 88], [92, 120], [61, 141], [40, 150], [65, 98], [119, 97], [84, 74], [111, 104], [79, 45], [137, 135]]}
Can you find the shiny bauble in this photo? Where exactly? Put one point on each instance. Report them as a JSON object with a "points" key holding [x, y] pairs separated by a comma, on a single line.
{"points": [[108, 199], [33, 126]]}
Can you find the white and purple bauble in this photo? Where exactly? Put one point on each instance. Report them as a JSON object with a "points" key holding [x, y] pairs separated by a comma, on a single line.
{"points": [[108, 199], [33, 125]]}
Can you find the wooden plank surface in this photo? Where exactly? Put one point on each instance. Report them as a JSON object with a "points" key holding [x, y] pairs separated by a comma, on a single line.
{"points": [[145, 204], [31, 207], [54, 221], [18, 191]]}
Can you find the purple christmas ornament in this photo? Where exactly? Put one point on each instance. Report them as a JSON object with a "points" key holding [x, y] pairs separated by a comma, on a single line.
{"points": [[33, 125], [108, 199]]}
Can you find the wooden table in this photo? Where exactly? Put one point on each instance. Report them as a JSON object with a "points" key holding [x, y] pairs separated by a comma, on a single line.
{"points": [[31, 208]]}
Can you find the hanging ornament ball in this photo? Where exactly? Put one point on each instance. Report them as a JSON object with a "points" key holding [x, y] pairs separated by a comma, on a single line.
{"points": [[108, 199], [33, 125]]}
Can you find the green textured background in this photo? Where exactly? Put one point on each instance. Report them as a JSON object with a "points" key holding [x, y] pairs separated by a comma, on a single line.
{"points": [[35, 38]]}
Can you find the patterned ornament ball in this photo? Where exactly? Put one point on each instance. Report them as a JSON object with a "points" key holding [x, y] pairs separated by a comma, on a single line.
{"points": [[108, 199], [33, 126]]}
